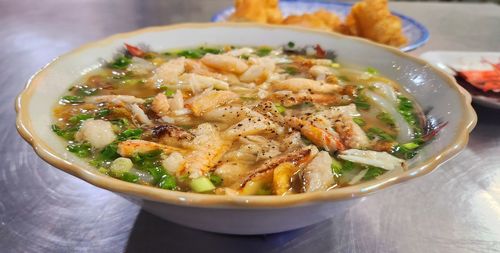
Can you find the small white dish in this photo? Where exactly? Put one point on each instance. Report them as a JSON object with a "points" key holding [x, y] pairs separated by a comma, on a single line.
{"points": [[451, 61]]}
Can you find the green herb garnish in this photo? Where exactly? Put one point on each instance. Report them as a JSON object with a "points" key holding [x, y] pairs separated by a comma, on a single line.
{"points": [[130, 134], [130, 177], [373, 172], [372, 71], [291, 70], [386, 118], [68, 133], [80, 117], [121, 62], [215, 179], [263, 51], [85, 91], [71, 99], [361, 103], [168, 182], [81, 150], [375, 132], [360, 121], [102, 113], [198, 52], [281, 109]]}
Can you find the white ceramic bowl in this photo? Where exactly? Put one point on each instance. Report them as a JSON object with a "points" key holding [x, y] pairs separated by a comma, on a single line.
{"points": [[246, 214]]}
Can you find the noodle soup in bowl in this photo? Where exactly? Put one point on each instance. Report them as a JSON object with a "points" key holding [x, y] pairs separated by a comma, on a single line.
{"points": [[168, 120]]}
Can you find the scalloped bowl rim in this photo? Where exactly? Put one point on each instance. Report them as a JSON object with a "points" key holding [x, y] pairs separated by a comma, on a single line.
{"points": [[24, 126]]}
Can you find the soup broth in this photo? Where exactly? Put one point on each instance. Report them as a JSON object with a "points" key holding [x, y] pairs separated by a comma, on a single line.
{"points": [[246, 120]]}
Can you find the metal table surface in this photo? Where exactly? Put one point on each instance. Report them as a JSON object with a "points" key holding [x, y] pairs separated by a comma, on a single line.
{"points": [[454, 209]]}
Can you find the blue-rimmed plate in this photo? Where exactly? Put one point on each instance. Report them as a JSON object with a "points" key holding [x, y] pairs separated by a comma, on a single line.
{"points": [[416, 33]]}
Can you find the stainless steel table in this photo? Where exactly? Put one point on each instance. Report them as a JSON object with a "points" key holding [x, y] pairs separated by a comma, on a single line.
{"points": [[455, 209]]}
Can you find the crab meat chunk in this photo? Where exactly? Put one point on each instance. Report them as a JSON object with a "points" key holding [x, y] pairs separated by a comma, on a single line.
{"points": [[98, 133]]}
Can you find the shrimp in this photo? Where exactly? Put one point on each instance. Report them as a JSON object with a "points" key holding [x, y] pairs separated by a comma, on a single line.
{"points": [[130, 148], [318, 176], [160, 105], [298, 84], [225, 63], [98, 133], [169, 72], [316, 135], [114, 99], [210, 99]]}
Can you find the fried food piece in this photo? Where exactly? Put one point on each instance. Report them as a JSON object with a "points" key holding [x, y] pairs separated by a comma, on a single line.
{"points": [[372, 19], [261, 11], [321, 19]]}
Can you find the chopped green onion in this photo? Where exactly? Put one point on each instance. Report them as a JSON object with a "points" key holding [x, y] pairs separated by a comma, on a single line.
{"points": [[71, 99], [291, 70], [167, 182], [198, 52], [68, 134], [291, 44], [347, 166], [130, 177], [336, 167], [201, 184], [102, 113], [81, 150], [130, 134], [373, 172], [158, 172], [109, 152], [372, 71], [86, 91], [120, 123], [121, 165], [263, 51], [360, 121], [386, 118], [80, 117], [361, 103], [377, 132], [215, 179], [167, 91], [121, 62], [410, 145], [245, 57], [281, 109], [343, 78]]}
